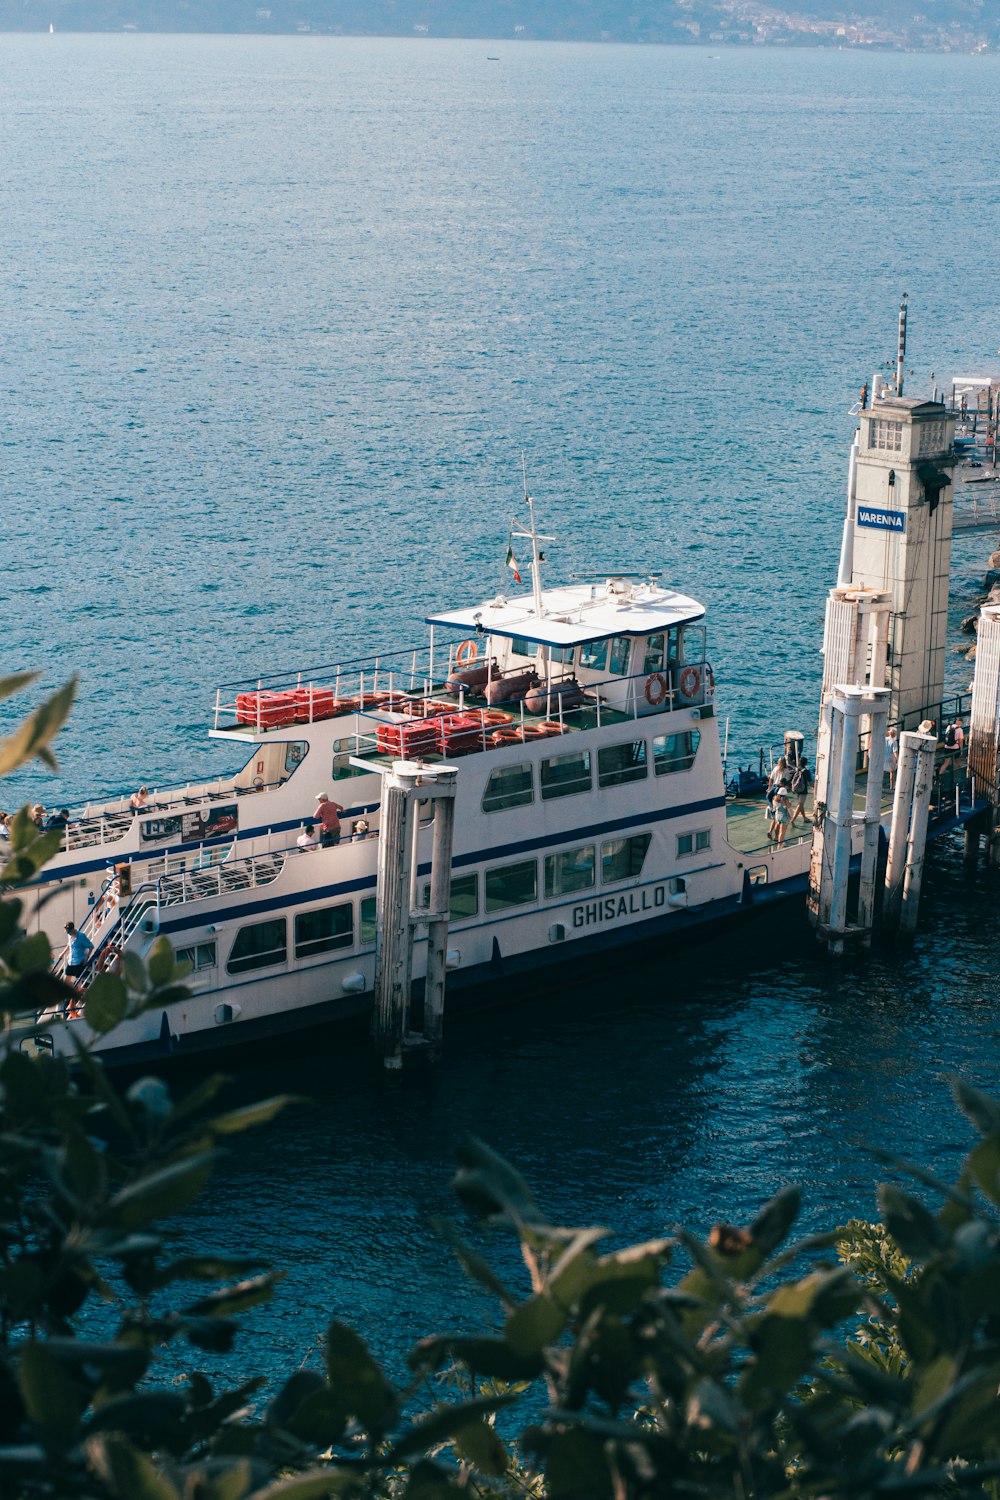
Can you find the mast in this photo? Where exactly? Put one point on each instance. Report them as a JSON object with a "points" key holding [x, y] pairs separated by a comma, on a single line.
{"points": [[901, 346], [533, 536]]}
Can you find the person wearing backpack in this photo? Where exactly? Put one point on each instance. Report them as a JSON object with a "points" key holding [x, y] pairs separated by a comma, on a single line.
{"points": [[801, 782]]}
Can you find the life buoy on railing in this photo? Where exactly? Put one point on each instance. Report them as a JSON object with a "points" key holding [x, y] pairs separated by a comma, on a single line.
{"points": [[466, 653], [656, 689], [689, 683]]}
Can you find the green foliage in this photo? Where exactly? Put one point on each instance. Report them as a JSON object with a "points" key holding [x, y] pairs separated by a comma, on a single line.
{"points": [[859, 1364]]}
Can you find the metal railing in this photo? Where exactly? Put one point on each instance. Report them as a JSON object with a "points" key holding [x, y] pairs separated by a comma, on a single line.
{"points": [[219, 879]]}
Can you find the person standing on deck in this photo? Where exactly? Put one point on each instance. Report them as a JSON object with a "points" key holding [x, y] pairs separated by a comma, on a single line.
{"points": [[801, 782], [328, 813], [80, 949]]}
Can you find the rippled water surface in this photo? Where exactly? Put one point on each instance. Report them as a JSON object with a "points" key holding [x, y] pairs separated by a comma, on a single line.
{"points": [[280, 316]]}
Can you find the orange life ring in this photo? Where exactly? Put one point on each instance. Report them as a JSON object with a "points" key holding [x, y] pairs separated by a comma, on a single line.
{"points": [[656, 680], [466, 653], [503, 737], [492, 717], [689, 682]]}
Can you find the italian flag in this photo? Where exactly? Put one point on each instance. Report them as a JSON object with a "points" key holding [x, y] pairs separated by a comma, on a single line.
{"points": [[511, 562]]}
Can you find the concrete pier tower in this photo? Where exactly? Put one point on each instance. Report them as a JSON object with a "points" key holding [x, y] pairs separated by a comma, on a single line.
{"points": [[898, 538]]}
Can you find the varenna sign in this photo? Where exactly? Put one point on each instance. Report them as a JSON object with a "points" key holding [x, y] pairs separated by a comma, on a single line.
{"points": [[881, 520]]}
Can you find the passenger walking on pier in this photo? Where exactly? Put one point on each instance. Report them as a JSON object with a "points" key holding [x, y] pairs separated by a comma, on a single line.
{"points": [[781, 775], [328, 813], [892, 754], [801, 782], [782, 815]]}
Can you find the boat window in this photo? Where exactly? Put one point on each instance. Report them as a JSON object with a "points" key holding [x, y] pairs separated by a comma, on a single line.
{"points": [[620, 763], [757, 875], [594, 656], [620, 648], [464, 897], [36, 1046], [508, 786], [621, 859], [319, 931], [563, 775], [201, 956], [367, 923], [521, 647], [570, 870], [295, 753], [342, 752], [653, 660], [258, 946], [693, 643], [511, 885], [675, 752], [694, 843]]}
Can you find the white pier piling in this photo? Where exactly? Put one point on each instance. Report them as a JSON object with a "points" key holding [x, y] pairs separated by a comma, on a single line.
{"points": [[984, 724], [843, 711], [908, 833], [397, 913]]}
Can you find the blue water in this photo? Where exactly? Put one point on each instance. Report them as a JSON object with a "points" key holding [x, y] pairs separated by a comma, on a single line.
{"points": [[280, 316]]}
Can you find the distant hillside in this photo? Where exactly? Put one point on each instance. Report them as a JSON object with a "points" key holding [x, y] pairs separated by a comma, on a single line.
{"points": [[938, 25]]}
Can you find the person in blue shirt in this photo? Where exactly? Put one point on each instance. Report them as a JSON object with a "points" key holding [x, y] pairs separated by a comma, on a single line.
{"points": [[80, 949]]}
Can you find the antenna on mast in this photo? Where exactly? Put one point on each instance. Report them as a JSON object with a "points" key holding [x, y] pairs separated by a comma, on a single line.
{"points": [[532, 536], [901, 347]]}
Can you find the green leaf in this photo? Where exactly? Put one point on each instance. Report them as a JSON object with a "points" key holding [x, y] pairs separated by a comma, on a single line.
{"points": [[106, 1003], [313, 1484], [15, 682], [357, 1379], [233, 1299], [983, 1111], [32, 736], [775, 1219], [206, 1268], [537, 1323], [472, 1263], [983, 1163], [489, 1185], [31, 953], [149, 1417], [479, 1445], [130, 1361], [134, 969], [161, 1193], [52, 1398], [128, 1474], [915, 1230], [783, 1349], [251, 1114], [487, 1356], [161, 961], [444, 1422]]}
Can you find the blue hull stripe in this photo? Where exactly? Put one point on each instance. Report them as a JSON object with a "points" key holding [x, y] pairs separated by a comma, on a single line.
{"points": [[498, 851]]}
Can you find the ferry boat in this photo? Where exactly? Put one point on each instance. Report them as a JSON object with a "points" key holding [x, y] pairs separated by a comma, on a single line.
{"points": [[590, 813]]}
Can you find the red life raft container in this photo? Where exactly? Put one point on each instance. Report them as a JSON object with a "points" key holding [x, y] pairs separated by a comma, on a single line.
{"points": [[266, 710], [411, 741], [314, 703]]}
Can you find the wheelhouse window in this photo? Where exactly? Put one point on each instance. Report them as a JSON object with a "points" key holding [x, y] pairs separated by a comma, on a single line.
{"points": [[570, 870], [511, 885], [623, 859], [320, 931], [620, 763], [508, 786], [366, 925], [661, 652], [694, 843], [519, 646], [342, 752], [594, 656], [693, 643], [618, 656], [675, 752], [258, 946], [564, 775]]}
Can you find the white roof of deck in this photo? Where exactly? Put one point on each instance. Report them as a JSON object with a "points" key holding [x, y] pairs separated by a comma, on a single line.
{"points": [[578, 613]]}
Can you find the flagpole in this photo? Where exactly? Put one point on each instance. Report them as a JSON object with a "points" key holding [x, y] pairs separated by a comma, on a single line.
{"points": [[536, 582]]}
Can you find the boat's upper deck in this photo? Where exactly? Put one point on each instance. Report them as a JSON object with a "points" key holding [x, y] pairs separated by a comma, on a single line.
{"points": [[578, 613]]}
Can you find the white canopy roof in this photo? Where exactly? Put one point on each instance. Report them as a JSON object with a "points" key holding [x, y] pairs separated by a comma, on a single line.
{"points": [[578, 613]]}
